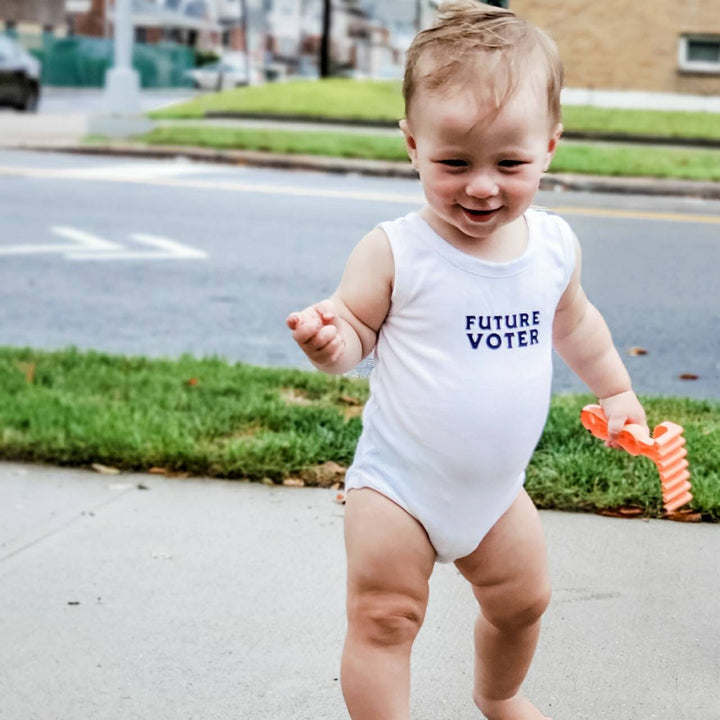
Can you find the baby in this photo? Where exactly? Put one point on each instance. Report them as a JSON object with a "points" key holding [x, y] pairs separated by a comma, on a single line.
{"points": [[462, 303]]}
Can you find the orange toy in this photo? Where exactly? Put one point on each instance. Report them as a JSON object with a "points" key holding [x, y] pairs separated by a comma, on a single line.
{"points": [[666, 449]]}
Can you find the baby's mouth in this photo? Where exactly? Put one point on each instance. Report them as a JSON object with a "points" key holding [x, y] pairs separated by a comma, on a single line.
{"points": [[479, 214]]}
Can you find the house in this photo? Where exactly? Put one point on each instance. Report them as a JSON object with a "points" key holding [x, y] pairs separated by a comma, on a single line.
{"points": [[655, 46], [188, 22], [360, 44], [42, 14]]}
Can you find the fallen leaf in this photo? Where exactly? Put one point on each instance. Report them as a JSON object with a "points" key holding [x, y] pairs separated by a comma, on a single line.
{"points": [[28, 370], [157, 471], [340, 498], [293, 482], [105, 469], [268, 481], [30, 374], [191, 382], [140, 486], [689, 376], [637, 351], [623, 512], [687, 515]]}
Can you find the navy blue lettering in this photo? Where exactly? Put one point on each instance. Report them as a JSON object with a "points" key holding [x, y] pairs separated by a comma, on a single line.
{"points": [[514, 321], [494, 341], [469, 321], [498, 322], [475, 339], [524, 320], [522, 338], [534, 337], [482, 323], [536, 317], [509, 337]]}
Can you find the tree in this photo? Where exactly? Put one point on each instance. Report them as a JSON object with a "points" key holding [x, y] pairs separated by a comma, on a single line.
{"points": [[325, 39]]}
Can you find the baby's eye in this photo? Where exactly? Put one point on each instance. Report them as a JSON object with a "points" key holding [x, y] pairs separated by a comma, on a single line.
{"points": [[453, 162], [511, 163]]}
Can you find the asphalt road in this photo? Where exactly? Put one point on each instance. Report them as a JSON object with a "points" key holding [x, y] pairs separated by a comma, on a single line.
{"points": [[161, 258]]}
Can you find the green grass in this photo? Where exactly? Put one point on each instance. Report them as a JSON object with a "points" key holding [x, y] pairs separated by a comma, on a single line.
{"points": [[659, 123], [335, 97], [596, 159], [212, 418], [368, 100]]}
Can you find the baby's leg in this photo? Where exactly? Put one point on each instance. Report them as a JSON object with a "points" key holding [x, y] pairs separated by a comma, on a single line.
{"points": [[509, 575], [390, 560]]}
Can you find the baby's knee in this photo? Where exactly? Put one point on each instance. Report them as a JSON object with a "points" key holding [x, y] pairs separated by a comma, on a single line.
{"points": [[521, 611], [386, 620]]}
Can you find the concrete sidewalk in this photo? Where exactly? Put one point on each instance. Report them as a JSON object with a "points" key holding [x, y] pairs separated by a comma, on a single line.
{"points": [[143, 597]]}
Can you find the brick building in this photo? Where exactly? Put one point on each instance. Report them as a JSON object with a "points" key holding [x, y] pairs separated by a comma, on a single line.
{"points": [[44, 13], [663, 46]]}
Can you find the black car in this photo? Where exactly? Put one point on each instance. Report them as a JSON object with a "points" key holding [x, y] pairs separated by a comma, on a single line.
{"points": [[19, 76]]}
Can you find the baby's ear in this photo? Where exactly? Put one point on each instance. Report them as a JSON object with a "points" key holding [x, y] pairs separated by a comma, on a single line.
{"points": [[410, 144], [552, 145]]}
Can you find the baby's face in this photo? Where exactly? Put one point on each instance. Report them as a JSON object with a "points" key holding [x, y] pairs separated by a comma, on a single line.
{"points": [[480, 170]]}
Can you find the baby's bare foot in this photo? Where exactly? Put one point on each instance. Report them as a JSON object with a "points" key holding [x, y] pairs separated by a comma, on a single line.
{"points": [[515, 708]]}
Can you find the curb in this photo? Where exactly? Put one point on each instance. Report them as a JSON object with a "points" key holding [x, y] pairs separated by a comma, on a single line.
{"points": [[381, 168]]}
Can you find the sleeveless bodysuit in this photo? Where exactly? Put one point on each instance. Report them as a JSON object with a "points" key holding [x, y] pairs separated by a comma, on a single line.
{"points": [[460, 390]]}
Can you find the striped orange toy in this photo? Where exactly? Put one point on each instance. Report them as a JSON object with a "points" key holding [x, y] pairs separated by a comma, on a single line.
{"points": [[666, 449]]}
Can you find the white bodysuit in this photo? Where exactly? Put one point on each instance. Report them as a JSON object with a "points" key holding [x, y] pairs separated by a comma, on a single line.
{"points": [[461, 386]]}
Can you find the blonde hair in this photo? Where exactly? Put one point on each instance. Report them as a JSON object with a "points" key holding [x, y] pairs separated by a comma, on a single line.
{"points": [[469, 38]]}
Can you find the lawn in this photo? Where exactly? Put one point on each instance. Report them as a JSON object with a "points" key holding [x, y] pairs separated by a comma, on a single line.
{"points": [[596, 159], [367, 100], [208, 417]]}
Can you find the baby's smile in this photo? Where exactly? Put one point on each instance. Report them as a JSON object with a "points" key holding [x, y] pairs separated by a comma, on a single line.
{"points": [[479, 215]]}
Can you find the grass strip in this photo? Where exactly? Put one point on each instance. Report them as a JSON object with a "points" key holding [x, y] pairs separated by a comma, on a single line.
{"points": [[212, 418], [594, 159], [368, 100]]}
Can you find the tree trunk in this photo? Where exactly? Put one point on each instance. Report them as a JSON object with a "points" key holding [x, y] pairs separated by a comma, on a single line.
{"points": [[325, 40]]}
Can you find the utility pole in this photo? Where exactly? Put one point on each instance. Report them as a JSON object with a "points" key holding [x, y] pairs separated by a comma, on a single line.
{"points": [[244, 37], [121, 116], [122, 85], [325, 44]]}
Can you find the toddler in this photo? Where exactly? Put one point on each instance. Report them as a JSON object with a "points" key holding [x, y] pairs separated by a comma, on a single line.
{"points": [[462, 303]]}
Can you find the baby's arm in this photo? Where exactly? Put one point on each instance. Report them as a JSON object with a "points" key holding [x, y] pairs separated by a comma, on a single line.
{"points": [[337, 333], [582, 338]]}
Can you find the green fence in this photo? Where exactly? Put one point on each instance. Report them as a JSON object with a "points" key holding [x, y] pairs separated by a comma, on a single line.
{"points": [[79, 61]]}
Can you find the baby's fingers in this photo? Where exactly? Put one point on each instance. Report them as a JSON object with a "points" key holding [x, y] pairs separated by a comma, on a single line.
{"points": [[326, 310], [321, 338], [304, 324]]}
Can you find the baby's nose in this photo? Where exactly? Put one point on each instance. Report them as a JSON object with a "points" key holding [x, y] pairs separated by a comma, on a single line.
{"points": [[481, 185]]}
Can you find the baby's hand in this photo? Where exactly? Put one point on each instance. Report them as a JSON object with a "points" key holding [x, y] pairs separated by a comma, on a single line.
{"points": [[316, 330], [619, 410]]}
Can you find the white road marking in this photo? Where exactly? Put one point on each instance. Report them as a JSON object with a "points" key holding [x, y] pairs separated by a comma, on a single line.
{"points": [[169, 250], [134, 172], [91, 247], [83, 241]]}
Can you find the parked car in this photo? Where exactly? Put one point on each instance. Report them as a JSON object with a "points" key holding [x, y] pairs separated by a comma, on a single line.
{"points": [[19, 76], [218, 76]]}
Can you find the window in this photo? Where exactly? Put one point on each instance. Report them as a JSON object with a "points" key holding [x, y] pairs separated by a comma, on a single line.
{"points": [[699, 53]]}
